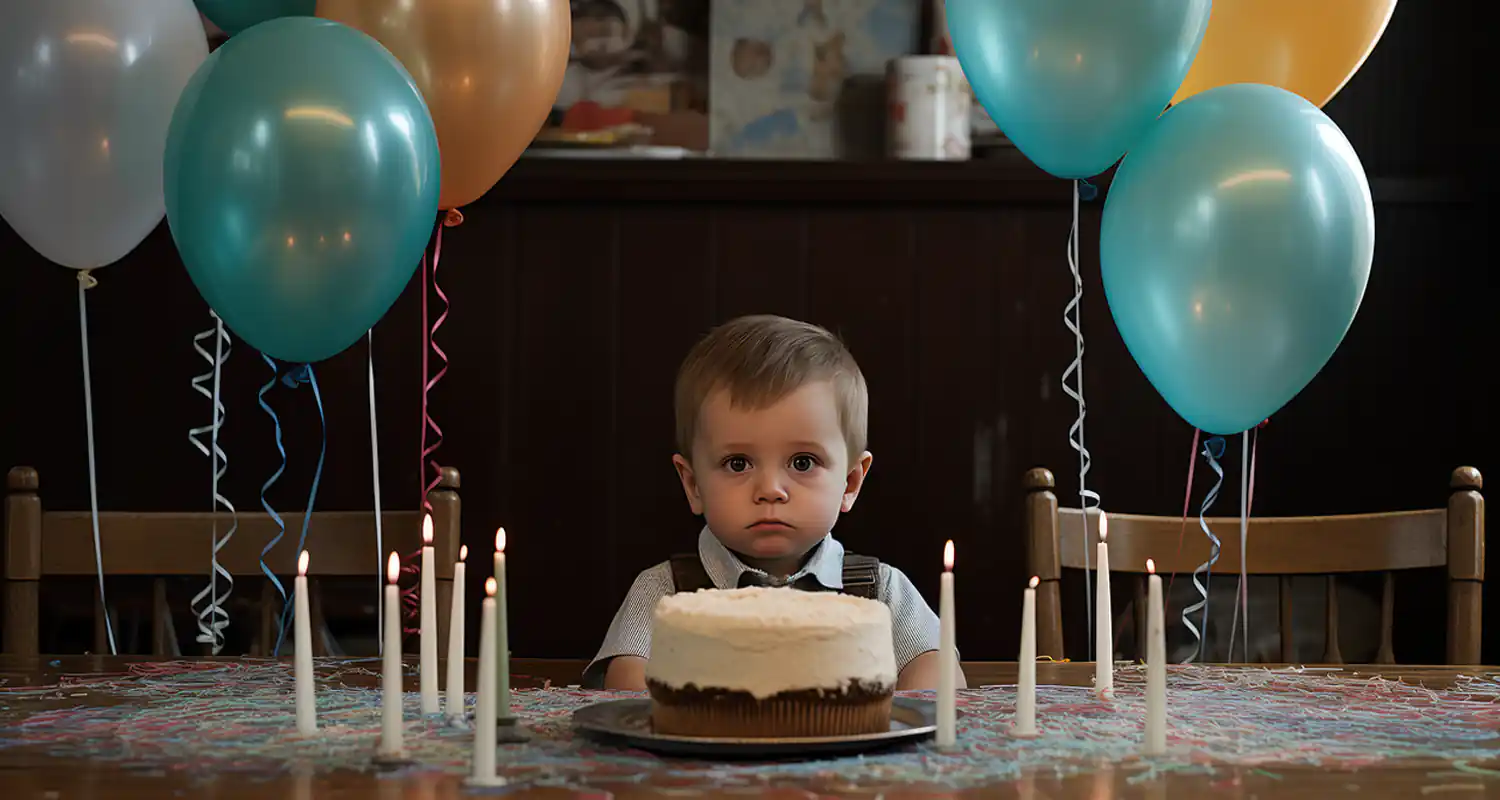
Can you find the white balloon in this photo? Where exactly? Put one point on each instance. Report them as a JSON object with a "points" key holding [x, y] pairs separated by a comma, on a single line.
{"points": [[87, 89]]}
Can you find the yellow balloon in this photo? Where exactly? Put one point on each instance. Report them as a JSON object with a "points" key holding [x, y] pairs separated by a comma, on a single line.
{"points": [[1310, 47], [488, 69]]}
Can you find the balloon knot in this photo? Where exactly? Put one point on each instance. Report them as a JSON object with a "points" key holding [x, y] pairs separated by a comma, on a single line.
{"points": [[298, 375], [453, 218], [86, 279], [1087, 191]]}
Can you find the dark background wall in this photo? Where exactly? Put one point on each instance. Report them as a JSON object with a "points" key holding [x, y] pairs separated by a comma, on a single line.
{"points": [[577, 287]]}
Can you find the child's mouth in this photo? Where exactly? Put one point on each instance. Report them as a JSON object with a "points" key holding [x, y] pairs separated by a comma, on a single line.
{"points": [[769, 525]]}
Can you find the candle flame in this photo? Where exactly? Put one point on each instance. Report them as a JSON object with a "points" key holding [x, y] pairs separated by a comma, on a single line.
{"points": [[1151, 566], [500, 540], [489, 587], [426, 529], [393, 567], [948, 556], [302, 563], [1103, 526], [463, 552], [1035, 582]]}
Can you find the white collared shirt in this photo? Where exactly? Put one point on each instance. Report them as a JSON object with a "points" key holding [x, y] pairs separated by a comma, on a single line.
{"points": [[914, 627]]}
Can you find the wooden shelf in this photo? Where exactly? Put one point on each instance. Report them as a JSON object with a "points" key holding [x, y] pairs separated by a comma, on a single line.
{"points": [[1005, 178], [1008, 179]]}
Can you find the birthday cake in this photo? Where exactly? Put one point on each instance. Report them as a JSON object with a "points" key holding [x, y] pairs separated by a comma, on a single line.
{"points": [[761, 662]]}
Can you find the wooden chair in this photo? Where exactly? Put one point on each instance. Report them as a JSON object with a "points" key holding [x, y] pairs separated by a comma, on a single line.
{"points": [[40, 544], [1451, 538]]}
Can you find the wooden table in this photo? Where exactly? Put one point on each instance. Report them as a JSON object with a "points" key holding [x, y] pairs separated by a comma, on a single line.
{"points": [[27, 772]]}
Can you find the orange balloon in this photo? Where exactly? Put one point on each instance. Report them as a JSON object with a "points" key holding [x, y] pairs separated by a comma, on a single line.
{"points": [[1310, 47], [490, 72]]}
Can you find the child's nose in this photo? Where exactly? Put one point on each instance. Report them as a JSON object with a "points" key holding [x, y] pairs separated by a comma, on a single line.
{"points": [[770, 488]]}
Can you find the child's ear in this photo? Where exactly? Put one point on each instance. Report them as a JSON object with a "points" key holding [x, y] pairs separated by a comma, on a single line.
{"points": [[855, 480], [689, 482]]}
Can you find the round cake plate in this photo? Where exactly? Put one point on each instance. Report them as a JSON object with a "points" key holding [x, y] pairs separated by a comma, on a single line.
{"points": [[628, 723]]}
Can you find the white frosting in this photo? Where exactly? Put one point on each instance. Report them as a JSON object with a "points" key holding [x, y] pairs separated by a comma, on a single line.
{"points": [[764, 641]]}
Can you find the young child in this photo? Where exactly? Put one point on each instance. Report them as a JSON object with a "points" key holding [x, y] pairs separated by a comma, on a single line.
{"points": [[771, 417]]}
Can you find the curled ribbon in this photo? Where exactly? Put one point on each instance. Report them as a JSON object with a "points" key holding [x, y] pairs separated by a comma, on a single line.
{"points": [[1213, 450], [410, 601], [300, 375], [1073, 320], [275, 476], [213, 619], [1247, 489], [87, 281], [1187, 499]]}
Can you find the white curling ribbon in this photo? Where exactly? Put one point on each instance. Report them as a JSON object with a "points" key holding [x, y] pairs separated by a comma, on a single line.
{"points": [[86, 281], [1073, 319], [1206, 567], [212, 619]]}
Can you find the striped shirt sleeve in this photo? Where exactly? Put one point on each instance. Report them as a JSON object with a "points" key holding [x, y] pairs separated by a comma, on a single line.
{"points": [[914, 626], [630, 631]]}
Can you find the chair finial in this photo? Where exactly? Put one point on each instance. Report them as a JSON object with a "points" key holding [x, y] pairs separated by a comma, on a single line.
{"points": [[448, 478], [1466, 478], [1038, 478], [22, 479]]}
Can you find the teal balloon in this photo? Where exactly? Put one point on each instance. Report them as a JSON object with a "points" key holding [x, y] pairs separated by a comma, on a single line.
{"points": [[1235, 249], [233, 16], [301, 180], [1074, 84]]}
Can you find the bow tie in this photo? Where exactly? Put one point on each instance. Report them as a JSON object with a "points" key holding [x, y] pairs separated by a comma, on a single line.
{"points": [[806, 583]]}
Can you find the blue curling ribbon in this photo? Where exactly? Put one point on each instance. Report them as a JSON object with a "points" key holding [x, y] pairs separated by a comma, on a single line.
{"points": [[260, 396], [1213, 450], [304, 374]]}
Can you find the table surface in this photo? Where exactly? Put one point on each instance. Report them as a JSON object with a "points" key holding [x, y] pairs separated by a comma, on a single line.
{"points": [[29, 771]]}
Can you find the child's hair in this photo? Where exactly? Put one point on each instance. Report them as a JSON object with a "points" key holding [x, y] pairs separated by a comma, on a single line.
{"points": [[759, 360]]}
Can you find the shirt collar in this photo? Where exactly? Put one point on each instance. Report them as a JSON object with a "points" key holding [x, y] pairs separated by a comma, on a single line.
{"points": [[724, 568]]}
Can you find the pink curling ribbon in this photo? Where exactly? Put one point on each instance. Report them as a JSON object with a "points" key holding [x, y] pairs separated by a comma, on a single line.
{"points": [[1187, 501], [410, 601]]}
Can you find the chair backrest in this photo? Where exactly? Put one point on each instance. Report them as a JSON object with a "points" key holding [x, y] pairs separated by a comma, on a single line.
{"points": [[39, 544], [1450, 538]]}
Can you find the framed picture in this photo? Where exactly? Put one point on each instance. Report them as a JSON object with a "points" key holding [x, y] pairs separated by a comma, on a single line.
{"points": [[803, 78], [637, 74]]}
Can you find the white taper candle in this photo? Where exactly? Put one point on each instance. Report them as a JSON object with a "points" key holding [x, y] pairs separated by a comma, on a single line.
{"points": [[390, 666], [483, 758], [947, 694], [1104, 635], [429, 634], [455, 686], [1156, 666], [502, 632], [307, 714], [1025, 723]]}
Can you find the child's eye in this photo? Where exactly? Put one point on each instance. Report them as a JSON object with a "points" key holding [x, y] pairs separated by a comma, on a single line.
{"points": [[737, 463], [804, 462]]}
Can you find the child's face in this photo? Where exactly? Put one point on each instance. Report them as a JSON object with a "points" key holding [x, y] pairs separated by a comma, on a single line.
{"points": [[772, 482]]}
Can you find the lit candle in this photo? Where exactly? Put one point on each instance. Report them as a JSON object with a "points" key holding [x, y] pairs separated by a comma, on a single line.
{"points": [[484, 711], [1104, 636], [947, 699], [502, 632], [390, 672], [456, 639], [307, 717], [1025, 724], [428, 633], [1156, 666]]}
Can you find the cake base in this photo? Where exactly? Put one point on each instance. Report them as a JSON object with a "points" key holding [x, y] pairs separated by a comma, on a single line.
{"points": [[727, 713]]}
